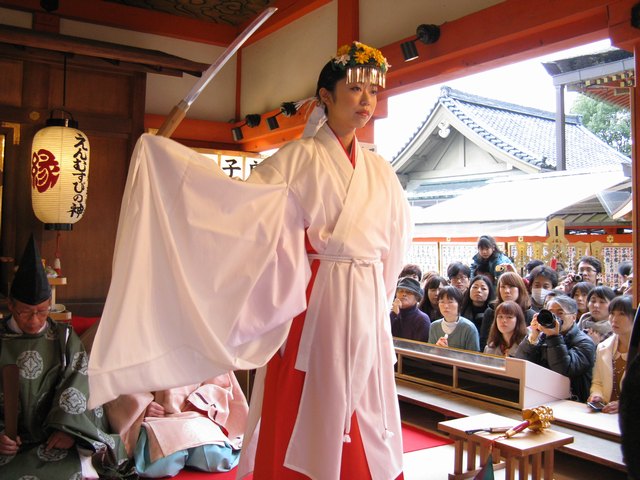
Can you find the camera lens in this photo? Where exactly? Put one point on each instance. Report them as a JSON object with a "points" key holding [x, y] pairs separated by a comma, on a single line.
{"points": [[546, 318], [577, 277]]}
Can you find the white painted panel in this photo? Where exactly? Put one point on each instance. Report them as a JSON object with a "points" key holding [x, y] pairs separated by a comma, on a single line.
{"points": [[285, 65], [15, 18], [383, 22]]}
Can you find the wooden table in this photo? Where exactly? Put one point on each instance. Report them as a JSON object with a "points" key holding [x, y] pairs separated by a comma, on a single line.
{"points": [[525, 451]]}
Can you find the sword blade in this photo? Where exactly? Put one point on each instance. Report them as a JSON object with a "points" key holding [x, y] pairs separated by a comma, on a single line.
{"points": [[215, 67]]}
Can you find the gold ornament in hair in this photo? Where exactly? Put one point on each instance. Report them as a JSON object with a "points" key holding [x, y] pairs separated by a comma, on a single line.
{"points": [[362, 63]]}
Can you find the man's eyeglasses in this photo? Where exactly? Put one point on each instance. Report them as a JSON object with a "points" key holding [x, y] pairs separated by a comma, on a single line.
{"points": [[27, 314], [587, 270]]}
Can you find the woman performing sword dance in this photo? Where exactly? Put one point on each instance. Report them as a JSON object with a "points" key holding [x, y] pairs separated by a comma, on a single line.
{"points": [[325, 405]]}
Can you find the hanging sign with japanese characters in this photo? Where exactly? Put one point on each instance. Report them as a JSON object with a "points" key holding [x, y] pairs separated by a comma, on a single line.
{"points": [[235, 164], [59, 175]]}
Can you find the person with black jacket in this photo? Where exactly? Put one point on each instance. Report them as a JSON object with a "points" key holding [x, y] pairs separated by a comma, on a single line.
{"points": [[563, 348], [407, 320]]}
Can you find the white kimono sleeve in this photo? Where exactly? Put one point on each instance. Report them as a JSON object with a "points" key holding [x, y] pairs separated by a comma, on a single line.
{"points": [[207, 274]]}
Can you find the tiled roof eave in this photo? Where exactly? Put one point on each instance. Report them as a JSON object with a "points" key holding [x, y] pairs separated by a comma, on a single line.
{"points": [[487, 135]]}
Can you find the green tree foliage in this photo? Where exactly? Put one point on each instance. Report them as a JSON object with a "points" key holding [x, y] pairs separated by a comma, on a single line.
{"points": [[610, 123]]}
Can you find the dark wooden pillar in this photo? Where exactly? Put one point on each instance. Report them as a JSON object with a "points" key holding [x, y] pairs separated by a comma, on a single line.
{"points": [[635, 157]]}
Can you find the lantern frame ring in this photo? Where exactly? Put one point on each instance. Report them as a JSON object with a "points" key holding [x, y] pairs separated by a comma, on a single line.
{"points": [[65, 121]]}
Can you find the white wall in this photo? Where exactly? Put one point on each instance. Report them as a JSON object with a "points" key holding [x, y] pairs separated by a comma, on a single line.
{"points": [[285, 65]]}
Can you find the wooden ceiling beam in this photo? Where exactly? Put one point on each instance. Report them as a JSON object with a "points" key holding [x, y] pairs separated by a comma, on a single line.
{"points": [[623, 35], [348, 21], [218, 133], [151, 60], [165, 24], [57, 58], [135, 19]]}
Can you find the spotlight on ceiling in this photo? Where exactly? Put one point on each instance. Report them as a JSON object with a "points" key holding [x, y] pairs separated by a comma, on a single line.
{"points": [[427, 34]]}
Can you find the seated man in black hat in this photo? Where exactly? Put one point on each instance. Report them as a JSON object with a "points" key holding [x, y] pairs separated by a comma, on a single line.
{"points": [[407, 320], [51, 433]]}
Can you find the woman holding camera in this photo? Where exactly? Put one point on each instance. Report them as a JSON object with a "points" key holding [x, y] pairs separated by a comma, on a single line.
{"points": [[611, 356]]}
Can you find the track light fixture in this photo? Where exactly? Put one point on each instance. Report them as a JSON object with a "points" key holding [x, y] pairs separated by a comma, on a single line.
{"points": [[426, 34], [272, 121], [288, 109], [252, 120], [237, 133]]}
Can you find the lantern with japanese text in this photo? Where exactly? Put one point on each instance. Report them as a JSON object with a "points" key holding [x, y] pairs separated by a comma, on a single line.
{"points": [[59, 173]]}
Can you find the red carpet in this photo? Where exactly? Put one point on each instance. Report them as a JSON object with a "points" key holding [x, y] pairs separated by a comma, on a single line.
{"points": [[413, 438]]}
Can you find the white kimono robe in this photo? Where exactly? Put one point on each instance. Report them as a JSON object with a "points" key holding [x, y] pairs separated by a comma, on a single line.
{"points": [[208, 286]]}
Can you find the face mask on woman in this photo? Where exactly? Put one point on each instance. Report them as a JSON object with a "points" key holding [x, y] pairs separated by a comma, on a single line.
{"points": [[539, 294]]}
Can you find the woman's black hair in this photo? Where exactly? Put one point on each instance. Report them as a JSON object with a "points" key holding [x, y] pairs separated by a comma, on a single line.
{"points": [[435, 281], [624, 304], [452, 293], [544, 272], [466, 300], [487, 241], [584, 287], [329, 76], [456, 268], [411, 269], [625, 268], [603, 292], [589, 260], [531, 264]]}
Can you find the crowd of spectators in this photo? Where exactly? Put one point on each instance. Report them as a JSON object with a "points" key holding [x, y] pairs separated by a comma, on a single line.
{"points": [[486, 306]]}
